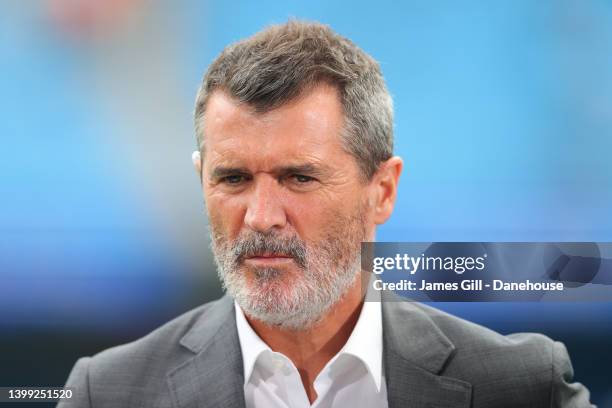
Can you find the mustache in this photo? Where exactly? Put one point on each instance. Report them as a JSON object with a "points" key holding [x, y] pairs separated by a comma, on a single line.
{"points": [[258, 243]]}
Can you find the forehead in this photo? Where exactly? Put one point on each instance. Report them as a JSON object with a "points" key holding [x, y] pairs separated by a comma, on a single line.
{"points": [[307, 128]]}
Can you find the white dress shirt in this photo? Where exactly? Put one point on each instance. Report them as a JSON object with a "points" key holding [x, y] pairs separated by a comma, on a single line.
{"points": [[352, 378]]}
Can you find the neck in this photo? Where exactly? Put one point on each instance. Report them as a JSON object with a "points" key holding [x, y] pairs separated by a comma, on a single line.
{"points": [[312, 348]]}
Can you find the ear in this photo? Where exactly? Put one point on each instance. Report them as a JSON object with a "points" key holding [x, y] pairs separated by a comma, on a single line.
{"points": [[385, 183], [196, 158]]}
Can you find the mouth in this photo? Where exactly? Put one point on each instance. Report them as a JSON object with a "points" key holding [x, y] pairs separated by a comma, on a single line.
{"points": [[268, 259]]}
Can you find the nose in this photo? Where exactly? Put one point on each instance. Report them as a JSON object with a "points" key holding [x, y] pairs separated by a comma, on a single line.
{"points": [[264, 209]]}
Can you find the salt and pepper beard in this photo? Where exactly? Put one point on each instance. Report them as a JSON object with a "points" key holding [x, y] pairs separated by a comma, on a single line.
{"points": [[326, 269]]}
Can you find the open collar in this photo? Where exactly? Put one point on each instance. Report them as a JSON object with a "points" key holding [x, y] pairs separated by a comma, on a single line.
{"points": [[365, 342]]}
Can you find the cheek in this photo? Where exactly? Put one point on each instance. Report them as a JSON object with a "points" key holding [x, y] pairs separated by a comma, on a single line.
{"points": [[315, 216], [224, 215], [304, 216]]}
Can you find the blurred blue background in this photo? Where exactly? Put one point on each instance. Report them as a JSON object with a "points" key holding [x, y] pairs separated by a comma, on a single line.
{"points": [[503, 118]]}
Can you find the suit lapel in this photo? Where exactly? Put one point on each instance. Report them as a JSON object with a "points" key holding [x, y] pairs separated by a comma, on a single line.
{"points": [[415, 352], [214, 376]]}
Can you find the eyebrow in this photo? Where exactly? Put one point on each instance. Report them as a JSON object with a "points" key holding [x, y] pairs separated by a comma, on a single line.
{"points": [[307, 169], [310, 169], [221, 171]]}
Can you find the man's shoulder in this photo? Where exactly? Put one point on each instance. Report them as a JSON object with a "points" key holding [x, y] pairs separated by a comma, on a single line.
{"points": [[487, 349], [467, 335], [150, 358], [140, 373], [495, 364], [520, 369]]}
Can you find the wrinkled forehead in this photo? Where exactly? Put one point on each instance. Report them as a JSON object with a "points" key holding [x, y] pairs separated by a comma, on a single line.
{"points": [[307, 128]]}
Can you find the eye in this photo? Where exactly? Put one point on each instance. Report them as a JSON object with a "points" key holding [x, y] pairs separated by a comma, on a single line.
{"points": [[233, 179], [302, 179]]}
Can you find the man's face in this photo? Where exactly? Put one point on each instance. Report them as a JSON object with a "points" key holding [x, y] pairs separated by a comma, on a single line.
{"points": [[286, 204]]}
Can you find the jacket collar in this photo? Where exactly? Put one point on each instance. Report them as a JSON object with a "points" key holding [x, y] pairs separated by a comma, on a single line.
{"points": [[213, 377], [415, 353]]}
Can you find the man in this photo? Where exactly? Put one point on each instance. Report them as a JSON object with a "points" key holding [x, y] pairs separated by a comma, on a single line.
{"points": [[294, 128]]}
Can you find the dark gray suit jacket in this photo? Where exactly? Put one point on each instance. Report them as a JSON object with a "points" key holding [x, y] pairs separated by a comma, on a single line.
{"points": [[431, 359]]}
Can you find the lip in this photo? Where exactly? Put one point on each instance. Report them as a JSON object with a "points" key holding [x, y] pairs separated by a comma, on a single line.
{"points": [[268, 260]]}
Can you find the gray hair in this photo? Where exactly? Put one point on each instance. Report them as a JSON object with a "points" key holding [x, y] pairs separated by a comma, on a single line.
{"points": [[278, 64]]}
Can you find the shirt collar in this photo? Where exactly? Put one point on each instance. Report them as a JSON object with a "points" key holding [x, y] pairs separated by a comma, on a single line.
{"points": [[251, 344], [365, 342]]}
